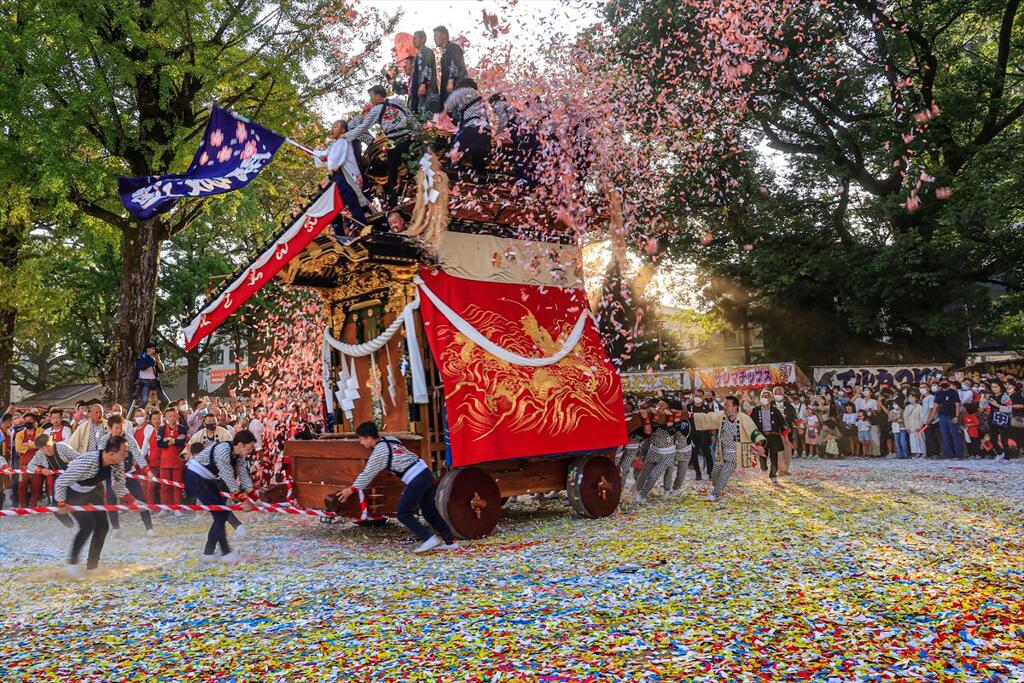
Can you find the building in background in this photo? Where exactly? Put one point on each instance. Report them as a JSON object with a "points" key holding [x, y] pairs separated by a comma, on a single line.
{"points": [[220, 363], [689, 338]]}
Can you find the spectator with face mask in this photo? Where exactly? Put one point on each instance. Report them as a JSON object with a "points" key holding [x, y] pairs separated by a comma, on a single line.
{"points": [[25, 449], [914, 423]]}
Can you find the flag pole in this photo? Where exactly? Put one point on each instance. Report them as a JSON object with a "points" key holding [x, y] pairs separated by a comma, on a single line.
{"points": [[300, 146]]}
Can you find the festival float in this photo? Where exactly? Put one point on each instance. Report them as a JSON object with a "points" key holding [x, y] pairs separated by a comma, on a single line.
{"points": [[468, 337]]}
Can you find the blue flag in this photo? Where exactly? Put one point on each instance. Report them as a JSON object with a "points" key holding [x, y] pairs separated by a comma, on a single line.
{"points": [[232, 153]]}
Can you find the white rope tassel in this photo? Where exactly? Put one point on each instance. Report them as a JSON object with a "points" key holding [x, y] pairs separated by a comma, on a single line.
{"points": [[392, 382], [328, 393], [366, 348], [353, 351], [490, 347]]}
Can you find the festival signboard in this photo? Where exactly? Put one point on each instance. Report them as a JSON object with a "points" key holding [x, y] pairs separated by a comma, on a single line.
{"points": [[650, 382], [875, 375], [745, 376]]}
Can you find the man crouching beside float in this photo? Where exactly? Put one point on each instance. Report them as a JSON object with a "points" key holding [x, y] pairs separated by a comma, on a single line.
{"points": [[389, 453]]}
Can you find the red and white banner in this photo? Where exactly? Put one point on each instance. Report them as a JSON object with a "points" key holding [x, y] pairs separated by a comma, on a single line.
{"points": [[499, 408], [290, 244]]}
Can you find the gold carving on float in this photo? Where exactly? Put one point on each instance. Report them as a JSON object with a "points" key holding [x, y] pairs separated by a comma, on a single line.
{"points": [[498, 395], [396, 281]]}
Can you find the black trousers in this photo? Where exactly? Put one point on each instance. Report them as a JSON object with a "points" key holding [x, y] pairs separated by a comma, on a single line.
{"points": [[395, 159], [232, 519], [476, 147], [702, 451], [772, 456], [207, 492], [92, 527], [419, 495], [348, 195], [135, 488], [932, 441]]}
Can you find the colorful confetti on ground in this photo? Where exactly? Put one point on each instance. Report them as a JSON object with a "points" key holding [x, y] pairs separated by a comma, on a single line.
{"points": [[850, 571]]}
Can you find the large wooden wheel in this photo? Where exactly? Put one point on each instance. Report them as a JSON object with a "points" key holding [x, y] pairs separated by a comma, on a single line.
{"points": [[469, 500], [594, 485]]}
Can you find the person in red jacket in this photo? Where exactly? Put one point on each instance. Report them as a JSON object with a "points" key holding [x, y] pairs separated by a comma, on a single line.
{"points": [[25, 447], [171, 440], [145, 436], [971, 422]]}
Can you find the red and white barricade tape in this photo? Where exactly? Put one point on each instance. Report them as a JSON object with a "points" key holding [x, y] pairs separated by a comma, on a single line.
{"points": [[130, 475], [291, 506], [136, 507]]}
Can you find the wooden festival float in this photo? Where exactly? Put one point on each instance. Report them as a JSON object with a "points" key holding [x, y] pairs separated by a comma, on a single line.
{"points": [[467, 336]]}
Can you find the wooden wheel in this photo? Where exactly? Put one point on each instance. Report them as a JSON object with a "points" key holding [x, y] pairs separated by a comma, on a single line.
{"points": [[469, 500], [594, 485]]}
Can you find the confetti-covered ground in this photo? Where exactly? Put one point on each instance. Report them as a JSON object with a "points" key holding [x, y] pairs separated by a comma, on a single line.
{"points": [[850, 571]]}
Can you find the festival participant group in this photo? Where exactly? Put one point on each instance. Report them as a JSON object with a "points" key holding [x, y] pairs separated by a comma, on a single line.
{"points": [[431, 92], [166, 454], [712, 433]]}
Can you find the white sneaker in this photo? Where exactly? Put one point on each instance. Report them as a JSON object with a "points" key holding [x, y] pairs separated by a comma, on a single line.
{"points": [[712, 498], [116, 534], [428, 545], [150, 533], [454, 545], [231, 558], [75, 572], [240, 531], [640, 500], [208, 559]]}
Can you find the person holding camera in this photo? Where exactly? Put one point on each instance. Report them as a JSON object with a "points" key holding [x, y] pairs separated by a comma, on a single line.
{"points": [[147, 376]]}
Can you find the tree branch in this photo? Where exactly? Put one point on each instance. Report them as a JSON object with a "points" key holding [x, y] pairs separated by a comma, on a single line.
{"points": [[186, 218], [90, 208], [988, 129]]}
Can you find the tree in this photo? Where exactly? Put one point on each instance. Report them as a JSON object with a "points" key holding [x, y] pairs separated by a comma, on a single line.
{"points": [[111, 88], [900, 126]]}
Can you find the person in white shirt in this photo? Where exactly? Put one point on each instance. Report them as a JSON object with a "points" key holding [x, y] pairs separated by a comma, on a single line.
{"points": [[256, 426], [340, 160], [932, 426], [966, 392]]}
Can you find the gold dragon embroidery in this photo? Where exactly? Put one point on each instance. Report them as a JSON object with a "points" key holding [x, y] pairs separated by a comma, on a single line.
{"points": [[497, 395]]}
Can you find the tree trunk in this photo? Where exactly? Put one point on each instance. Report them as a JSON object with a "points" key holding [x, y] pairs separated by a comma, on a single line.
{"points": [[192, 374], [136, 306], [8, 316]]}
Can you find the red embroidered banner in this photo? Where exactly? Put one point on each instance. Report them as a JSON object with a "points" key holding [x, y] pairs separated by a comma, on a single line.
{"points": [[261, 271], [498, 410]]}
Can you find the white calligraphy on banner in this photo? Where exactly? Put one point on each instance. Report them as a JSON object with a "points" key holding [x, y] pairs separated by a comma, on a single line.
{"points": [[874, 375]]}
